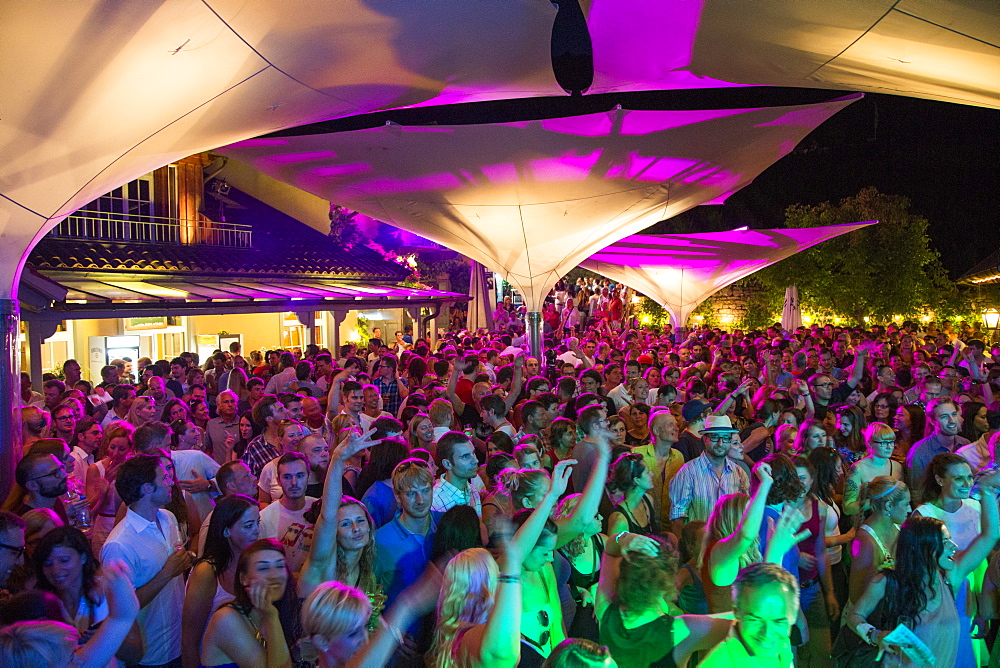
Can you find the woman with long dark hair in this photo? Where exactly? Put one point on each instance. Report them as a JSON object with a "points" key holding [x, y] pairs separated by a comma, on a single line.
{"points": [[947, 487], [920, 590], [631, 477], [848, 434], [974, 423], [884, 407], [66, 566], [909, 423], [235, 524]]}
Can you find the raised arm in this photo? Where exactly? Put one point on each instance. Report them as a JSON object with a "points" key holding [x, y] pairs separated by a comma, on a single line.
{"points": [[123, 607], [858, 370], [970, 558], [573, 525], [499, 639], [807, 397], [456, 402], [515, 385], [333, 397], [724, 561], [607, 585], [743, 388], [321, 563]]}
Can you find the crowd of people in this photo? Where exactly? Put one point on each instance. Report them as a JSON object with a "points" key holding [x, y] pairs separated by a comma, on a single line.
{"points": [[818, 497]]}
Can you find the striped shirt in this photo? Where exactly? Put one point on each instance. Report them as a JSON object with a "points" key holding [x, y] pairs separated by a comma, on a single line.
{"points": [[696, 488]]}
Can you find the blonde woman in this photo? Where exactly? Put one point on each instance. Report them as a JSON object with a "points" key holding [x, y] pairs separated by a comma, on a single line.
{"points": [[335, 626], [880, 440], [143, 410], [732, 539], [116, 447], [479, 610]]}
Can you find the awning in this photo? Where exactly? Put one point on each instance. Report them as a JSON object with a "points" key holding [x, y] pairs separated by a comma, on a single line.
{"points": [[115, 297]]}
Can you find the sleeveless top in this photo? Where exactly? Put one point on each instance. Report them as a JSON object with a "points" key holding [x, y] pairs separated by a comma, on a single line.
{"points": [[808, 545], [633, 526], [651, 644], [586, 580], [940, 630], [222, 597], [691, 598], [718, 598], [832, 528], [888, 559]]}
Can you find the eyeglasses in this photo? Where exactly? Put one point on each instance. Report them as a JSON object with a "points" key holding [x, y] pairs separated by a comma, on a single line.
{"points": [[53, 472], [16, 549], [890, 441], [66, 417], [720, 439]]}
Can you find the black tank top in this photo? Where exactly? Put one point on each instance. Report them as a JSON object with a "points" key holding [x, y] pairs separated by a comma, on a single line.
{"points": [[651, 644]]}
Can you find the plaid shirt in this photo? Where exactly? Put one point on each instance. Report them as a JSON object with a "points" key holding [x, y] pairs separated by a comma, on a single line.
{"points": [[258, 453], [448, 496], [391, 401]]}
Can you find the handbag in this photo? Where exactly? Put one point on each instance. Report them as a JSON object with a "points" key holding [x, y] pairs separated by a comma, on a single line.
{"points": [[849, 650]]}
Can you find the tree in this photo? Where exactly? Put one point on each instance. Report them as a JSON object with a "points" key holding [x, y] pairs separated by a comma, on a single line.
{"points": [[880, 271]]}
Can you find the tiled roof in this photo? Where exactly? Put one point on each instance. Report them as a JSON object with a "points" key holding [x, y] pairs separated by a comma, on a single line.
{"points": [[280, 259], [282, 247]]}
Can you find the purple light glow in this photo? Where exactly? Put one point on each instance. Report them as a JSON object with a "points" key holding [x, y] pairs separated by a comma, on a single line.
{"points": [[680, 271], [308, 156], [532, 199]]}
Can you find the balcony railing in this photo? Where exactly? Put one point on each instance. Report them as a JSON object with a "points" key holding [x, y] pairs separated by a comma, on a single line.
{"points": [[130, 228]]}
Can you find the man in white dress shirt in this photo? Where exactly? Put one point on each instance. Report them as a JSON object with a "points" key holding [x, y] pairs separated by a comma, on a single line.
{"points": [[145, 540]]}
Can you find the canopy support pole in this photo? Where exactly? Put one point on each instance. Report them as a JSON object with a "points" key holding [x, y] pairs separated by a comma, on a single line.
{"points": [[10, 386], [534, 325]]}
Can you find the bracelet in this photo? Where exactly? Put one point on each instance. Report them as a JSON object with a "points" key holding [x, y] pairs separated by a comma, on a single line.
{"points": [[866, 631], [618, 537], [508, 578]]}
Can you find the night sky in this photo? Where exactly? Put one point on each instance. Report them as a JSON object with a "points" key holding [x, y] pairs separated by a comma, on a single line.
{"points": [[943, 156]]}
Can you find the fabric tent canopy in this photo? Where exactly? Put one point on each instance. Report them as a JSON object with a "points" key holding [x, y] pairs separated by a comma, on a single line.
{"points": [[680, 271], [532, 199], [97, 93]]}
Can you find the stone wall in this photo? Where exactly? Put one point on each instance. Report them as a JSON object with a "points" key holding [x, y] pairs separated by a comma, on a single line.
{"points": [[730, 305]]}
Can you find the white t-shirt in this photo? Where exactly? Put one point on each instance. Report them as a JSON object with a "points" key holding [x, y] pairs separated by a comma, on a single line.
{"points": [[285, 526], [268, 480], [187, 460]]}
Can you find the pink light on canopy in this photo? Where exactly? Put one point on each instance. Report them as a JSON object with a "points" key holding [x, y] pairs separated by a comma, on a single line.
{"points": [[680, 271], [532, 199]]}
